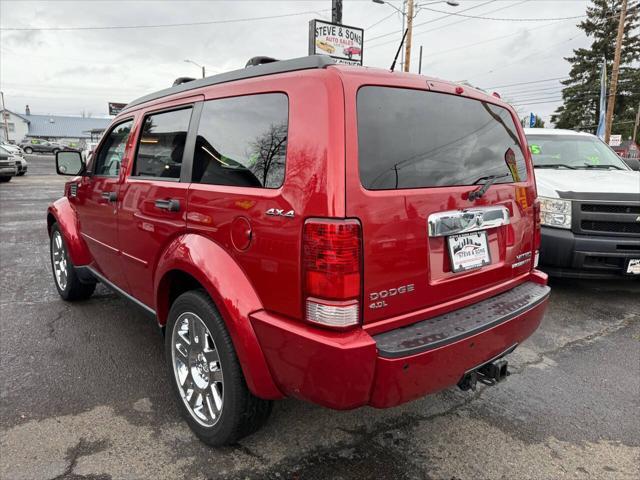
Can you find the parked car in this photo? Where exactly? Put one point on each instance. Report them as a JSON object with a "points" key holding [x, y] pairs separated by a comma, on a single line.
{"points": [[41, 146], [327, 47], [351, 51], [15, 149], [291, 241], [590, 203], [8, 168], [17, 159]]}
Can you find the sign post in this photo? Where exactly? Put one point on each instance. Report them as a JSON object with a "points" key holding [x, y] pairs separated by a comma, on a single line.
{"points": [[341, 42], [615, 140], [116, 108]]}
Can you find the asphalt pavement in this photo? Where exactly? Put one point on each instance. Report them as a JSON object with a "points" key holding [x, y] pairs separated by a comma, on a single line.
{"points": [[84, 392]]}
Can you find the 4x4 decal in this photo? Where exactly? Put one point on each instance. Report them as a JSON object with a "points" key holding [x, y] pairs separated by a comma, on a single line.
{"points": [[278, 212]]}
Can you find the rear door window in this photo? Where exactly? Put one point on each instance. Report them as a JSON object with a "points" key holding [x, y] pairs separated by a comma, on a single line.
{"points": [[242, 141], [415, 138], [161, 144]]}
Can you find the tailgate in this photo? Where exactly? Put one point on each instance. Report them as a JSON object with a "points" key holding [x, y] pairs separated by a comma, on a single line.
{"points": [[413, 157]]}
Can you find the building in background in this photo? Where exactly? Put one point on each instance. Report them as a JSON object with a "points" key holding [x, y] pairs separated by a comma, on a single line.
{"points": [[17, 126], [72, 131]]}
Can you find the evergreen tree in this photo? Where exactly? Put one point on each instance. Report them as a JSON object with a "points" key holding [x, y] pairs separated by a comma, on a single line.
{"points": [[581, 93]]}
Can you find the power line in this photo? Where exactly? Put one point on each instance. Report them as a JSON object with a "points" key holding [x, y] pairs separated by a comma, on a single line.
{"points": [[527, 83], [502, 19], [554, 89], [423, 23], [380, 21], [164, 25], [489, 40], [533, 101]]}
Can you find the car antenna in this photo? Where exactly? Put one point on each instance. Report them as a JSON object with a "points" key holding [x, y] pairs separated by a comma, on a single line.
{"points": [[393, 65]]}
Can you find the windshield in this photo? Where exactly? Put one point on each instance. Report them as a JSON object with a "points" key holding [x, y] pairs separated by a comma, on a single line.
{"points": [[572, 151], [416, 139]]}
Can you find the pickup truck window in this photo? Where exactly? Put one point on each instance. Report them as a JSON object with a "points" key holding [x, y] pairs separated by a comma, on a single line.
{"points": [[415, 139], [161, 144], [109, 157], [242, 141]]}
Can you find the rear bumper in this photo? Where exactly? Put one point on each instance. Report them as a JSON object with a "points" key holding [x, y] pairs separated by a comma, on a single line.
{"points": [[566, 254], [348, 370]]}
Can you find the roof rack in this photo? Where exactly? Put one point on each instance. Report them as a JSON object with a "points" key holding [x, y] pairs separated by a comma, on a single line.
{"points": [[280, 66]]}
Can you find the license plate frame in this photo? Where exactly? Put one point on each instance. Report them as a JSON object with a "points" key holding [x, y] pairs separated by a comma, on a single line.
{"points": [[632, 267], [467, 243]]}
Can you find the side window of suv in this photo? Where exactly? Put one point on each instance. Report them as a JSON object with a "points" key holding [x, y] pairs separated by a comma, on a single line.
{"points": [[109, 158], [161, 144], [242, 141]]}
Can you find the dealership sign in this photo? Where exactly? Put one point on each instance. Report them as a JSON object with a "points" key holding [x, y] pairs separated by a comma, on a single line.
{"points": [[116, 108], [338, 41]]}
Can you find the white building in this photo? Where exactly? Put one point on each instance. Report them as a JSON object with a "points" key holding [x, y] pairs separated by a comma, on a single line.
{"points": [[16, 124]]}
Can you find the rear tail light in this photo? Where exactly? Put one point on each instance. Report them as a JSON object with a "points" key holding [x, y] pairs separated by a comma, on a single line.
{"points": [[331, 272], [537, 222], [536, 235]]}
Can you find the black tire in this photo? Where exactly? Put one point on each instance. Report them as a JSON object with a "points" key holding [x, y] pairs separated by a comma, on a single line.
{"points": [[28, 150], [74, 289], [55, 151], [21, 174], [242, 413], [5, 179]]}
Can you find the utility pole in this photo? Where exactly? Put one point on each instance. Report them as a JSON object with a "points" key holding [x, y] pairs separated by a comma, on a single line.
{"points": [[614, 73], [407, 50], [4, 120], [336, 11], [635, 127]]}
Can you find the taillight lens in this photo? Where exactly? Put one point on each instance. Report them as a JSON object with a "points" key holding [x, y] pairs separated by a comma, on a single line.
{"points": [[536, 234], [331, 271]]}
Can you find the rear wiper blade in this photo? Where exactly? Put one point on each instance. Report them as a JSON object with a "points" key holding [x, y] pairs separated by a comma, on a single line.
{"points": [[489, 180], [554, 165], [589, 165]]}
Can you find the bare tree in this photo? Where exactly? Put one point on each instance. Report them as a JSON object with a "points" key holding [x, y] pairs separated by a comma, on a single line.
{"points": [[269, 150]]}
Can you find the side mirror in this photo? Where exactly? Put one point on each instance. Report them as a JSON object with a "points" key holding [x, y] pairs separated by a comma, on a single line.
{"points": [[69, 163]]}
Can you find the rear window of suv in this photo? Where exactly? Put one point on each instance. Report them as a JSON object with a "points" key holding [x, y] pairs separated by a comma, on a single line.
{"points": [[414, 139]]}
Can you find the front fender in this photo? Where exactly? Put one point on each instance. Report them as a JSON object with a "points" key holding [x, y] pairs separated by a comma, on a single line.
{"points": [[230, 290], [64, 215]]}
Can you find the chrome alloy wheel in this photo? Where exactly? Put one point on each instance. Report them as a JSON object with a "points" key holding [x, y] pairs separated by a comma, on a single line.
{"points": [[59, 257], [197, 369]]}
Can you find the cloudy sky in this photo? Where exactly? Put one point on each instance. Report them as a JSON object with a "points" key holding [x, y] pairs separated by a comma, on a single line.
{"points": [[65, 57]]}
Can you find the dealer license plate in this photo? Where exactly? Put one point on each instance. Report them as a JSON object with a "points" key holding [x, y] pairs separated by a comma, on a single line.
{"points": [[633, 267], [468, 251]]}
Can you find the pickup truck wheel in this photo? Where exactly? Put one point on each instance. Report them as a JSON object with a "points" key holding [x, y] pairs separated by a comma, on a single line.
{"points": [[28, 150], [205, 373], [65, 277]]}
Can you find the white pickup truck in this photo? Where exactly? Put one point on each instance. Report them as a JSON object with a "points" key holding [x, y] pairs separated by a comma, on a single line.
{"points": [[590, 206]]}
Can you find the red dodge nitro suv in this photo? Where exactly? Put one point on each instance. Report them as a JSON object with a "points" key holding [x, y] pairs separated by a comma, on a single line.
{"points": [[344, 235]]}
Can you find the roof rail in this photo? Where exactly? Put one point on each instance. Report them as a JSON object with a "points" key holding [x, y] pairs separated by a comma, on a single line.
{"points": [[279, 66], [253, 61], [181, 80]]}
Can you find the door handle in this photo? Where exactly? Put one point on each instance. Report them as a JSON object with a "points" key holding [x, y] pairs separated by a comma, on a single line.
{"points": [[110, 196], [170, 205]]}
